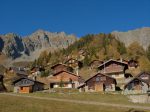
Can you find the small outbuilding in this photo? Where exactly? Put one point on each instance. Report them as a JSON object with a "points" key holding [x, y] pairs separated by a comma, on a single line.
{"points": [[136, 86], [26, 85], [144, 76], [18, 71]]}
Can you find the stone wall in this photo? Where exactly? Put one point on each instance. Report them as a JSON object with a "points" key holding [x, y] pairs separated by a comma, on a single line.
{"points": [[139, 98]]}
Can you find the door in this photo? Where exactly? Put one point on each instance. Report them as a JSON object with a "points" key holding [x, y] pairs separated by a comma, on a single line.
{"points": [[99, 87], [24, 89]]}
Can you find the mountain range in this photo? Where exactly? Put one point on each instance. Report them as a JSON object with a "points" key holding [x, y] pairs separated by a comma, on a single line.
{"points": [[141, 35], [14, 48], [17, 48]]}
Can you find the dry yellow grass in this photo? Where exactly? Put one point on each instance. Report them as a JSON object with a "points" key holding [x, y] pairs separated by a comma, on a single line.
{"points": [[17, 104], [20, 104]]}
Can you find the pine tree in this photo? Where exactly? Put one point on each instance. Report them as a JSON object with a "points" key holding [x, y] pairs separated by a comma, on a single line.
{"points": [[121, 48]]}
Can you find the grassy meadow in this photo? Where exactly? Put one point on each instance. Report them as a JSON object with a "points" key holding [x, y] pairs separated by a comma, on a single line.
{"points": [[95, 96], [22, 104], [17, 104]]}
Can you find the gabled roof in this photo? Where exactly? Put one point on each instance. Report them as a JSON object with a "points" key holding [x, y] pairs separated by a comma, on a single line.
{"points": [[138, 76], [59, 64], [53, 79], [19, 70], [99, 74], [66, 72], [144, 72], [94, 61], [134, 79], [111, 60], [27, 79]]}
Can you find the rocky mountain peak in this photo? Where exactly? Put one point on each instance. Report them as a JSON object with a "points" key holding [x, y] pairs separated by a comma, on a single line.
{"points": [[30, 47], [142, 36]]}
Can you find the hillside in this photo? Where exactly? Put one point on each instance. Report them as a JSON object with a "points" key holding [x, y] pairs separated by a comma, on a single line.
{"points": [[28, 48], [142, 36], [86, 49], [93, 46], [97, 47]]}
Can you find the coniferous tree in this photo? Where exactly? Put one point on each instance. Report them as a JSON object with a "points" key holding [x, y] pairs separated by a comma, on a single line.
{"points": [[121, 48]]}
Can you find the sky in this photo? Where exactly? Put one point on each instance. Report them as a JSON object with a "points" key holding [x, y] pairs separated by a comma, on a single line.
{"points": [[78, 17]]}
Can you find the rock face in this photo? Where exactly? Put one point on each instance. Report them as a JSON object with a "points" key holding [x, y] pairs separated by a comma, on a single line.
{"points": [[142, 36], [30, 47], [11, 45]]}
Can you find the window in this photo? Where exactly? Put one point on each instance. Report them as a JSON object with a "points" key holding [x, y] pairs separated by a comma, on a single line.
{"points": [[97, 79]]}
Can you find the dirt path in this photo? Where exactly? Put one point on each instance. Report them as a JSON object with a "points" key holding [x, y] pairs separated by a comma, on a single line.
{"points": [[81, 102]]}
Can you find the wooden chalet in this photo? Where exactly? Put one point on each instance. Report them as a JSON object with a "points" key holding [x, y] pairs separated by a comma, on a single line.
{"points": [[95, 63], [132, 64], [37, 70], [14, 73], [2, 87], [74, 63], [64, 79], [144, 76], [99, 83], [20, 72], [113, 68], [61, 67], [136, 86], [26, 85]]}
